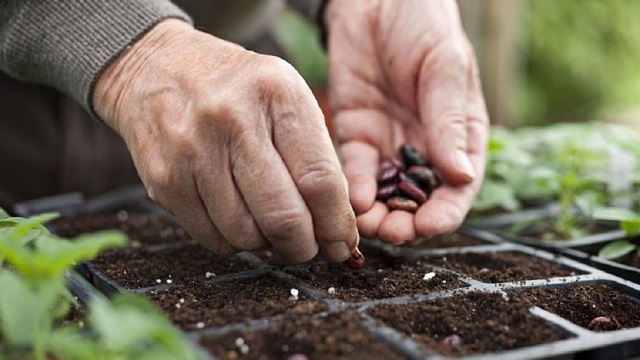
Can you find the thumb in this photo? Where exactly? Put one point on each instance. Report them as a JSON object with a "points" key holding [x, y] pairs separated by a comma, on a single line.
{"points": [[442, 90]]}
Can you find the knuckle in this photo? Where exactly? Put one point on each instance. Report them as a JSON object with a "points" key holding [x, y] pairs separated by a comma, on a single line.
{"points": [[278, 224], [322, 178], [162, 178]]}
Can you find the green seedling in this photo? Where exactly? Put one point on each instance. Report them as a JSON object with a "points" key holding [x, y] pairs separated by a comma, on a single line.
{"points": [[34, 298], [629, 222]]}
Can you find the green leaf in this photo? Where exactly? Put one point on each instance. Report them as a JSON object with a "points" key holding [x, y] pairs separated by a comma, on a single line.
{"points": [[131, 325], [630, 227], [3, 214], [25, 312], [616, 249], [614, 214]]}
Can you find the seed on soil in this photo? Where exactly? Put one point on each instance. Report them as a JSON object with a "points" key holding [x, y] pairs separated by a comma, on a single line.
{"points": [[356, 261], [601, 323], [452, 341], [298, 357], [402, 203]]}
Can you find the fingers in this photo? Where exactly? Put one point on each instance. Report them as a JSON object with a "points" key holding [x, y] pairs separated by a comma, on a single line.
{"points": [[442, 105], [448, 205], [176, 191], [303, 142], [361, 164], [369, 222]]}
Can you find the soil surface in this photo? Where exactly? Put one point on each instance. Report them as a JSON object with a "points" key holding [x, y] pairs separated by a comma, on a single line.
{"points": [[228, 302], [448, 241], [336, 336], [485, 323], [581, 304], [497, 267], [143, 230], [383, 276], [188, 263]]}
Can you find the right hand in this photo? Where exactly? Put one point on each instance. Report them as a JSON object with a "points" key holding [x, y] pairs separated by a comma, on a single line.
{"points": [[231, 142]]}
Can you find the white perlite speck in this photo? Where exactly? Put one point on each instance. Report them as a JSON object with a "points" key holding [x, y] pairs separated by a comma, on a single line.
{"points": [[294, 294], [209, 274], [331, 290], [181, 300], [159, 281], [200, 325], [239, 342], [169, 281], [178, 306], [244, 349], [429, 276]]}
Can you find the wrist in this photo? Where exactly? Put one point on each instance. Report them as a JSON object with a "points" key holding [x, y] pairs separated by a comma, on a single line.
{"points": [[117, 76]]}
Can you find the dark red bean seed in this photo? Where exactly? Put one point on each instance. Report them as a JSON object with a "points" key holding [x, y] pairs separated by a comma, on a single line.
{"points": [[402, 203], [388, 173], [412, 190], [423, 176], [410, 156], [356, 261], [386, 191], [452, 341], [601, 323]]}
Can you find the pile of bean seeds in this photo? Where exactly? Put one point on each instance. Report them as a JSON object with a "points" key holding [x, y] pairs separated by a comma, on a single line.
{"points": [[406, 184]]}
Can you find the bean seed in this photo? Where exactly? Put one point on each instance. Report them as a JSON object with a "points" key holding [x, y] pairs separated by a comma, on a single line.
{"points": [[423, 176], [402, 203], [601, 323], [409, 188], [410, 156], [452, 341], [386, 191], [356, 261], [388, 173]]}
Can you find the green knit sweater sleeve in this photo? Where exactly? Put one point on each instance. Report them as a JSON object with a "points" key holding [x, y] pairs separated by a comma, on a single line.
{"points": [[67, 43]]}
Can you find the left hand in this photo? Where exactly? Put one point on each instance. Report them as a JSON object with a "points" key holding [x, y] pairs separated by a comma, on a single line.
{"points": [[404, 72]]}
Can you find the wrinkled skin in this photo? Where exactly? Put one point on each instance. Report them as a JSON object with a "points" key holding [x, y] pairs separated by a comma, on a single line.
{"points": [[234, 144], [404, 71], [231, 142]]}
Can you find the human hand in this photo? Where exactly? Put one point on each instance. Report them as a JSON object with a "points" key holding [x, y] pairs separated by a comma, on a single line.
{"points": [[404, 72], [231, 142]]}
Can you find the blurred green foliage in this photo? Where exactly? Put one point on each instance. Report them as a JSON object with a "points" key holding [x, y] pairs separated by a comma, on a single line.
{"points": [[580, 57], [301, 41]]}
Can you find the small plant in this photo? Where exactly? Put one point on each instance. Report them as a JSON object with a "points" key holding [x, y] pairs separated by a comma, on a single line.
{"points": [[34, 298], [629, 222]]}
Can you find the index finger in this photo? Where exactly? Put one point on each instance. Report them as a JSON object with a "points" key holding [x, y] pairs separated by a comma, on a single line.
{"points": [[303, 141]]}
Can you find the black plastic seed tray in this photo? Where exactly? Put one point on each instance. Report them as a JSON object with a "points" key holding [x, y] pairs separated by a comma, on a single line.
{"points": [[295, 302], [577, 341]]}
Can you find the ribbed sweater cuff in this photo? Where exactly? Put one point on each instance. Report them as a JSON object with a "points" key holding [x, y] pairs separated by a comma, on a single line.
{"points": [[67, 43]]}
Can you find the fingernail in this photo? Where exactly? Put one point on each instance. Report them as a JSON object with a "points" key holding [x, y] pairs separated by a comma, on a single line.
{"points": [[338, 251], [464, 165]]}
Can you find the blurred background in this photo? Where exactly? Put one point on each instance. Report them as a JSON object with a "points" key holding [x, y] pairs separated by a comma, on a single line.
{"points": [[541, 61]]}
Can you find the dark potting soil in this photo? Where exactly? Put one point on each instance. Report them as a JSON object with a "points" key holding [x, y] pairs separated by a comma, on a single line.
{"points": [[142, 229], [448, 241], [485, 323], [497, 267], [581, 304], [228, 302], [383, 276], [334, 336], [188, 263]]}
